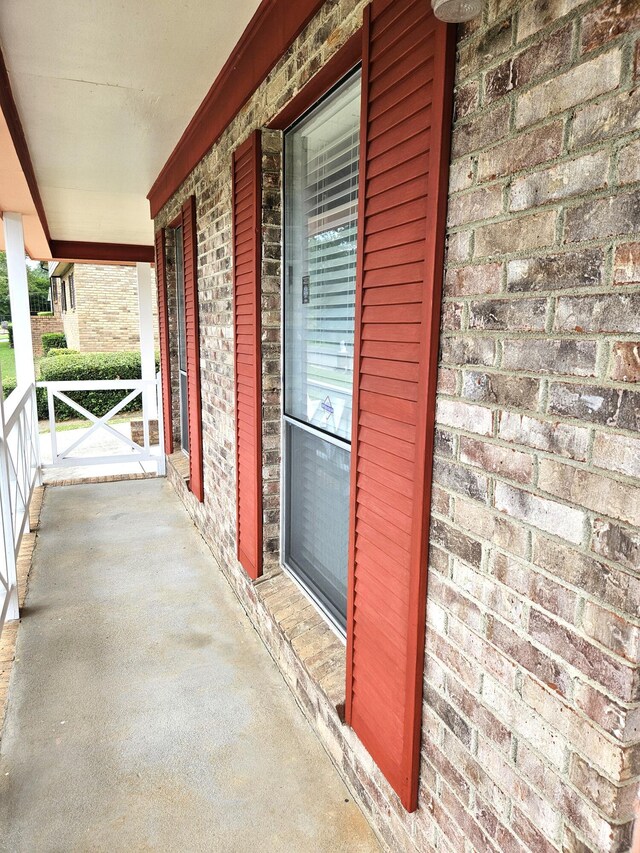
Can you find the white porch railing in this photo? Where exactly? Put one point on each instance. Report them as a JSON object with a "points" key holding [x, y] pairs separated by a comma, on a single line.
{"points": [[150, 393], [19, 475]]}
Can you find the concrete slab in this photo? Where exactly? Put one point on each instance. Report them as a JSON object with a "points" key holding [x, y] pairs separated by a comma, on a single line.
{"points": [[144, 711]]}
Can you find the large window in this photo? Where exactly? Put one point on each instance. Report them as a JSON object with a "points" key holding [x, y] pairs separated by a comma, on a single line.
{"points": [[321, 193], [182, 340]]}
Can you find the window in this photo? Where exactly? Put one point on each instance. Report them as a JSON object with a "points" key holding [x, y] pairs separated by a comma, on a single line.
{"points": [[72, 292], [321, 213], [182, 339], [54, 288], [63, 296]]}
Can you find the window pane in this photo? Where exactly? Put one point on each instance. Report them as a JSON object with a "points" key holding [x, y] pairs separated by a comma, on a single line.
{"points": [[318, 517], [321, 211], [182, 352]]}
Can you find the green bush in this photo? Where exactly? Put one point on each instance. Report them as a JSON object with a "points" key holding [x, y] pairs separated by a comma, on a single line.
{"points": [[53, 340], [91, 366], [10, 330], [45, 314], [54, 353], [9, 385], [68, 366]]}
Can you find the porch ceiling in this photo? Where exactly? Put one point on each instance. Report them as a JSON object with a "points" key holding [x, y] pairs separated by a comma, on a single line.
{"points": [[103, 91]]}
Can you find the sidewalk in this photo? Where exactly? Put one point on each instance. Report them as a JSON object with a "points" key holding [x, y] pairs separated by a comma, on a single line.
{"points": [[144, 712]]}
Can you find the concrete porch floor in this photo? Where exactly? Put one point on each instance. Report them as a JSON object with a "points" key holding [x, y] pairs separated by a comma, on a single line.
{"points": [[144, 712]]}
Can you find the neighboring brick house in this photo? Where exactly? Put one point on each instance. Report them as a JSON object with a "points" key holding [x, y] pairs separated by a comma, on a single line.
{"points": [[98, 306], [521, 729]]}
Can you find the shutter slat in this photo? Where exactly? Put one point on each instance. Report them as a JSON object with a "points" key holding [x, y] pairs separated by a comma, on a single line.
{"points": [[407, 95], [163, 333], [248, 363], [192, 336]]}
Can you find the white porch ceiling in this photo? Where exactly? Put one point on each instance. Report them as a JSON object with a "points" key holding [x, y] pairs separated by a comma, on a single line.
{"points": [[104, 90]]}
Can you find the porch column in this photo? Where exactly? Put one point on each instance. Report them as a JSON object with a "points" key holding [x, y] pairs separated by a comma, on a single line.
{"points": [[147, 354], [19, 298]]}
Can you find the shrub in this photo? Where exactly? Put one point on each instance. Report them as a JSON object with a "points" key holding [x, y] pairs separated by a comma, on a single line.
{"points": [[9, 385], [44, 314], [10, 330], [91, 366], [54, 353], [53, 340]]}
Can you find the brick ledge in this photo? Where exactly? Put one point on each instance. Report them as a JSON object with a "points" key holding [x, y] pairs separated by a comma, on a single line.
{"points": [[320, 652]]}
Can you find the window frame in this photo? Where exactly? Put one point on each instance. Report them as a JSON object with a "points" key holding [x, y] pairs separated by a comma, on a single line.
{"points": [[309, 102]]}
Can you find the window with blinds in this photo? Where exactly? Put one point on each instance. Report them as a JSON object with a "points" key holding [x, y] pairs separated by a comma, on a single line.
{"points": [[321, 213]]}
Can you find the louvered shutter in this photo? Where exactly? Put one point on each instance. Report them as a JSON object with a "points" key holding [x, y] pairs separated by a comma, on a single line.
{"points": [[248, 363], [406, 97], [163, 328], [192, 334]]}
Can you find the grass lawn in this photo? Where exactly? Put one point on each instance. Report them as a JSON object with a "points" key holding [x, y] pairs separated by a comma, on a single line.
{"points": [[7, 360]]}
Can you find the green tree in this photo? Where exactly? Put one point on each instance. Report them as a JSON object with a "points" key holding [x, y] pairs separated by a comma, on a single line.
{"points": [[37, 279]]}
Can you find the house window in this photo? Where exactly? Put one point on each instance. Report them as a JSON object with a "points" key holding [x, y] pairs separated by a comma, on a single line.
{"points": [[321, 213], [72, 292], [54, 289], [63, 296], [182, 339]]}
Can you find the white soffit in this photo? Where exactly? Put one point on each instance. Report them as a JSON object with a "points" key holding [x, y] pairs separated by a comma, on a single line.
{"points": [[104, 90]]}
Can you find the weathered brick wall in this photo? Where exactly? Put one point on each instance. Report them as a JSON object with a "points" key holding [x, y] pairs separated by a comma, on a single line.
{"points": [[43, 326], [531, 716], [70, 316], [534, 590], [107, 314]]}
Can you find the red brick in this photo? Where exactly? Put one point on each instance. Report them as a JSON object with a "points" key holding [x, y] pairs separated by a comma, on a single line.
{"points": [[623, 723], [550, 516], [481, 521], [611, 585], [593, 491], [496, 459], [469, 281], [563, 91], [553, 437], [548, 670], [626, 266], [521, 152], [626, 361], [613, 631], [617, 543], [606, 217], [619, 312], [617, 453], [614, 676], [608, 21], [570, 357], [535, 586]]}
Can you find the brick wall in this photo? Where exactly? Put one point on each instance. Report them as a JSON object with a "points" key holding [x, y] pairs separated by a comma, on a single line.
{"points": [[106, 317], [531, 715], [535, 528], [43, 326]]}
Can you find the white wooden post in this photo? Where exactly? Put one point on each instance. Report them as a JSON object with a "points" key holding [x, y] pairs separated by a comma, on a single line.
{"points": [[6, 512], [19, 298], [147, 353]]}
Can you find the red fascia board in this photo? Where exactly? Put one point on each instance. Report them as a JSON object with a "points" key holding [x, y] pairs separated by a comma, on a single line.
{"points": [[272, 29], [101, 253], [349, 55], [10, 112]]}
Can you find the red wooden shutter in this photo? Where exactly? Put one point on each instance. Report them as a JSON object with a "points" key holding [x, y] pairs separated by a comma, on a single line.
{"points": [[192, 330], [163, 328], [406, 116], [248, 362]]}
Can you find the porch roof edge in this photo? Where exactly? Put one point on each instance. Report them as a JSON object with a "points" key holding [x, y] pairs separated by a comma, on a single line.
{"points": [[270, 32]]}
